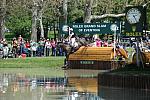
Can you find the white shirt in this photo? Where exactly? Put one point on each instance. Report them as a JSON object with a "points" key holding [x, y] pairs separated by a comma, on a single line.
{"points": [[5, 50], [48, 45], [73, 40]]}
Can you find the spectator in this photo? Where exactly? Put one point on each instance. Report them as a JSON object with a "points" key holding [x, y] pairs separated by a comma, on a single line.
{"points": [[53, 44], [27, 48], [95, 37], [14, 47], [41, 47], [20, 38], [21, 46], [47, 47], [5, 51], [105, 44], [34, 49], [98, 42], [1, 46], [4, 41], [1, 49]]}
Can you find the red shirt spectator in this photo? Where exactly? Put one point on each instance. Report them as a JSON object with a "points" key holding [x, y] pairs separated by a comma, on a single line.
{"points": [[27, 44], [53, 43], [98, 43], [105, 44]]}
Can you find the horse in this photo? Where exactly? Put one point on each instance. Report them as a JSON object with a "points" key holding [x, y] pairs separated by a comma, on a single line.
{"points": [[69, 49]]}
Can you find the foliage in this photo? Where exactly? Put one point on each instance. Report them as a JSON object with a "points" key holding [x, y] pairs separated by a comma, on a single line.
{"points": [[18, 21], [76, 10], [18, 16]]}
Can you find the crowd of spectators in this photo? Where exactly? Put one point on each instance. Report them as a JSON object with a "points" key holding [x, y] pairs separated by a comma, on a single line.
{"points": [[44, 47], [50, 47], [19, 46]]}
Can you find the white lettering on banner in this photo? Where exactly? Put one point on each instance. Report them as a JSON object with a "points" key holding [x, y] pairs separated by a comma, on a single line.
{"points": [[80, 30], [101, 25], [91, 30], [77, 26], [89, 26]]}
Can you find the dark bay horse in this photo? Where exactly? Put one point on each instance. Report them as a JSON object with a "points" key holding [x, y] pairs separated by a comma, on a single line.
{"points": [[68, 49]]}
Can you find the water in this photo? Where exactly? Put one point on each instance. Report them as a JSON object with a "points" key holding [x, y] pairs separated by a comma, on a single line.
{"points": [[63, 85]]}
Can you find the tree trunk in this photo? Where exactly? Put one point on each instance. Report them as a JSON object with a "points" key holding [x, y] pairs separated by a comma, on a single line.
{"points": [[2, 16], [46, 30], [65, 13], [41, 24], [88, 10], [34, 23], [2, 27]]}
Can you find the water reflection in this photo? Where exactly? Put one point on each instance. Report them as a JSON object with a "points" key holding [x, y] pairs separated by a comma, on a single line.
{"points": [[16, 87], [76, 85], [85, 84]]}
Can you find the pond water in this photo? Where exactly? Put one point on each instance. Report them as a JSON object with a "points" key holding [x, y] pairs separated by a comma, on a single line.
{"points": [[57, 84]]}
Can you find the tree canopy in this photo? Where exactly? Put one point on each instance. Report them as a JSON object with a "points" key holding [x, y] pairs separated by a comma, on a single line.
{"points": [[18, 16]]}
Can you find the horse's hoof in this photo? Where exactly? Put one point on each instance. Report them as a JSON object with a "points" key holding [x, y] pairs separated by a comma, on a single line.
{"points": [[64, 67]]}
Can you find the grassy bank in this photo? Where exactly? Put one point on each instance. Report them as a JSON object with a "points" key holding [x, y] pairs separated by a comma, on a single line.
{"points": [[32, 62], [132, 70], [51, 72]]}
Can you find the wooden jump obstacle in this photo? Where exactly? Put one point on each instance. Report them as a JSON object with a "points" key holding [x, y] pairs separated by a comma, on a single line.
{"points": [[95, 58]]}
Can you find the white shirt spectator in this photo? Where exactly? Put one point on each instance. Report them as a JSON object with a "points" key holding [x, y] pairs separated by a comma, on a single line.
{"points": [[95, 36], [48, 44], [5, 50]]}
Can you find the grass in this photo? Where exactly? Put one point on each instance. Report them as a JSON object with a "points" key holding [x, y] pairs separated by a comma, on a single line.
{"points": [[32, 62], [132, 70], [51, 72], [33, 66]]}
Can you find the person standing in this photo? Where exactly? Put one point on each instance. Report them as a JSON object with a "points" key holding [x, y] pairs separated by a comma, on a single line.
{"points": [[14, 47], [98, 42], [105, 44], [27, 47], [5, 51], [47, 47], [53, 44], [21, 46], [41, 47]]}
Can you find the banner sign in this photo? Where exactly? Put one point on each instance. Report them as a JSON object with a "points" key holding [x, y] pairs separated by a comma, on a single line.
{"points": [[90, 28]]}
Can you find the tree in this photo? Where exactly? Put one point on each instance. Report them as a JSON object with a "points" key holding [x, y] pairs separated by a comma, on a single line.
{"points": [[41, 10], [88, 10], [24, 16], [34, 21], [76, 11], [65, 13], [18, 18], [2, 18]]}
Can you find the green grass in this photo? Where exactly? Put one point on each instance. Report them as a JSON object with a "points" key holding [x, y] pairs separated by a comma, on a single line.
{"points": [[32, 62], [33, 66], [132, 70], [51, 72]]}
